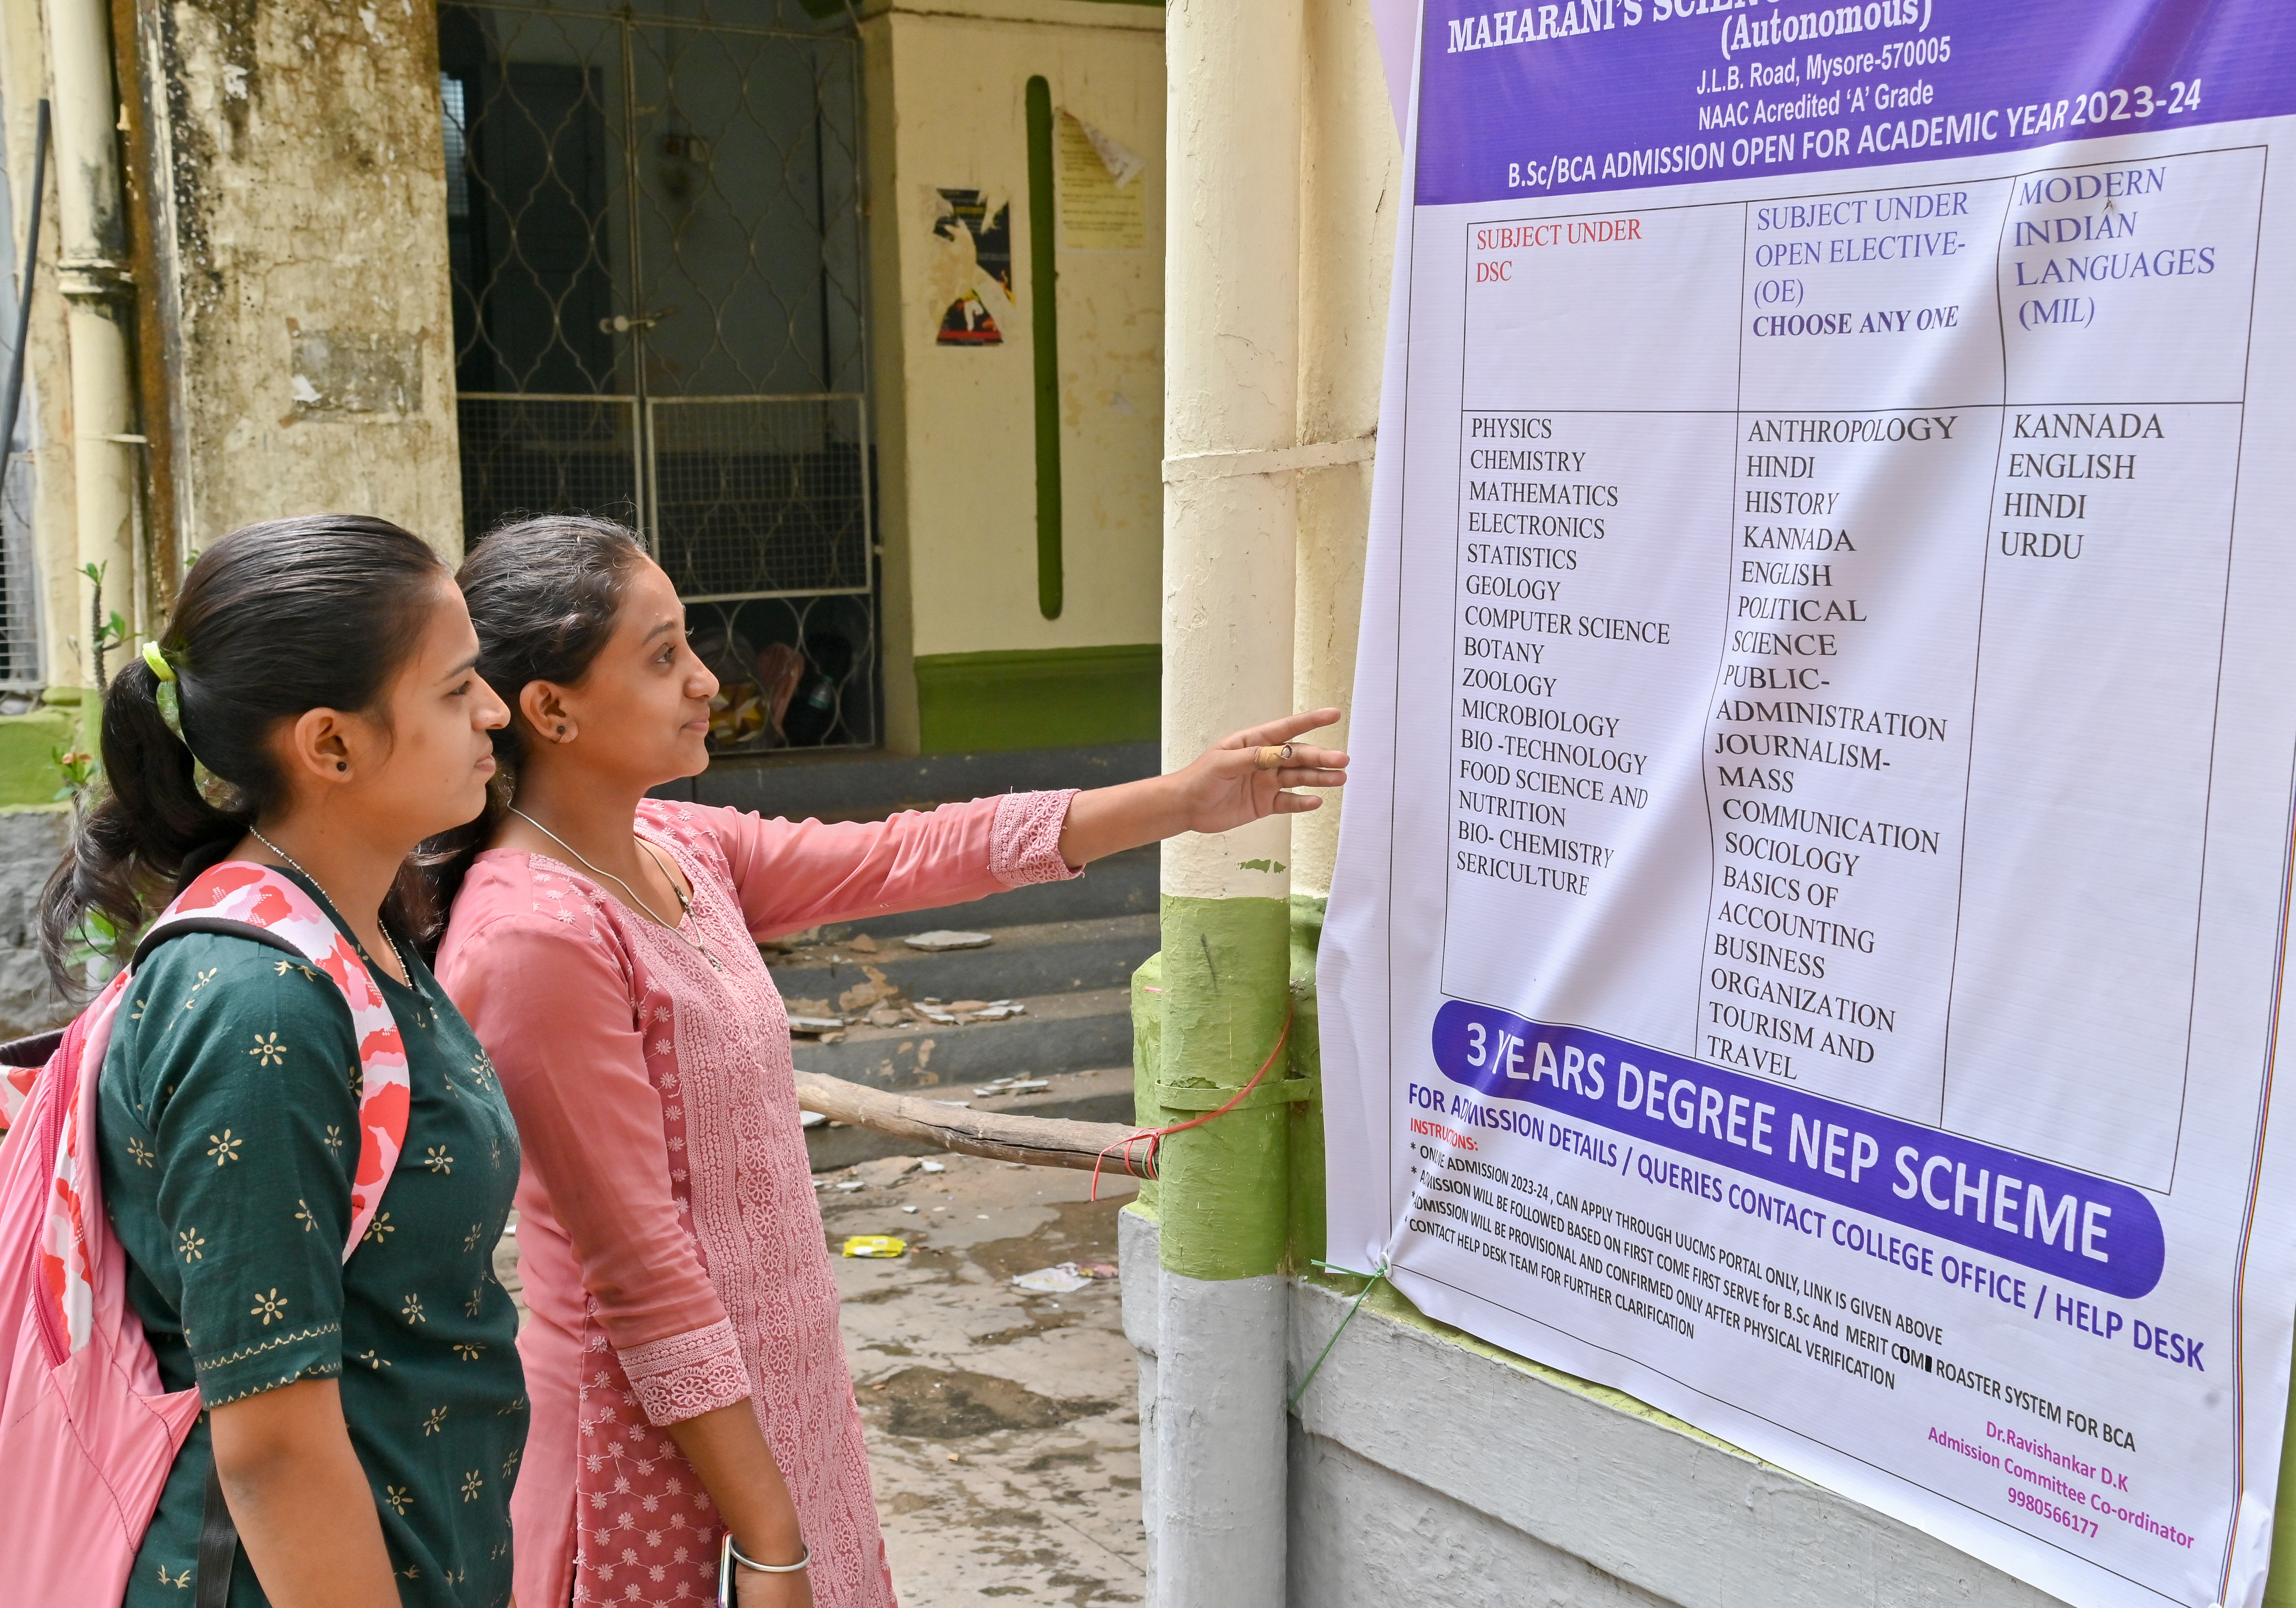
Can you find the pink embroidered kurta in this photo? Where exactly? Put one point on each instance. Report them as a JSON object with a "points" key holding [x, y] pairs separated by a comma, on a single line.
{"points": [[669, 1235]]}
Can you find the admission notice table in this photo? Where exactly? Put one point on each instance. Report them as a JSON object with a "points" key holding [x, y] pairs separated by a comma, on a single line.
{"points": [[1791, 682], [1809, 936]]}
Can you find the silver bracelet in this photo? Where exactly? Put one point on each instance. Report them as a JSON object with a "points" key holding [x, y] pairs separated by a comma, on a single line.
{"points": [[735, 1553]]}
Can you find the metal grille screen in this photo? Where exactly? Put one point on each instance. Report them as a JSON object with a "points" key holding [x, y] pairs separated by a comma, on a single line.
{"points": [[21, 666], [655, 228], [548, 455], [761, 495]]}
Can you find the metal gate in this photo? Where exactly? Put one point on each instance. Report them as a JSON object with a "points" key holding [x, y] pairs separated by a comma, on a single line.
{"points": [[655, 228]]}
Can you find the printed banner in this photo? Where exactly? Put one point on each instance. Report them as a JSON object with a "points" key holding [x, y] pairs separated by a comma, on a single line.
{"points": [[1809, 941]]}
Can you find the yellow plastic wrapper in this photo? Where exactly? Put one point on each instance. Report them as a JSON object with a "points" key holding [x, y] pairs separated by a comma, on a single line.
{"points": [[875, 1244]]}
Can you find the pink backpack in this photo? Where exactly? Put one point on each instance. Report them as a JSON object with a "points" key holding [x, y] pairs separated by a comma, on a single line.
{"points": [[86, 1433]]}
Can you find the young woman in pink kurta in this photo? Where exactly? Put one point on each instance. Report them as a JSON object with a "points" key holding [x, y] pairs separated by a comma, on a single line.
{"points": [[684, 1363], [686, 1269]]}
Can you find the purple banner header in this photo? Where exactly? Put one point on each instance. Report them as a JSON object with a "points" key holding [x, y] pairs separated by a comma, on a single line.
{"points": [[1590, 95], [2067, 1225]]}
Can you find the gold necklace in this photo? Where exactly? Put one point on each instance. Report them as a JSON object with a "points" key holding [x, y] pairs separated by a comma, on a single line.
{"points": [[684, 905], [257, 834]]}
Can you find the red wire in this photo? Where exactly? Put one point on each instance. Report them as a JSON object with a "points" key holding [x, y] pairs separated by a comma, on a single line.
{"points": [[1155, 1136]]}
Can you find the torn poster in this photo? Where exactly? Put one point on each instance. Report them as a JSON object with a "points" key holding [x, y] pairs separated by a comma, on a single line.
{"points": [[1103, 198], [975, 266]]}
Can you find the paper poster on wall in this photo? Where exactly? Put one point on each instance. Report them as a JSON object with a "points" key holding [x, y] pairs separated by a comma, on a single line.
{"points": [[1808, 940], [974, 267], [1104, 199]]}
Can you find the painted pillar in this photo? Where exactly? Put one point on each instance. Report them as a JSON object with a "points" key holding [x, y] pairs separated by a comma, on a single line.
{"points": [[91, 215], [1350, 189], [1231, 374]]}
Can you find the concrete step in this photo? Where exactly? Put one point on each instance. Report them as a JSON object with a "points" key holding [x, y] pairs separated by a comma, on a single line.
{"points": [[1101, 1096], [1122, 884], [1058, 1033], [1049, 957]]}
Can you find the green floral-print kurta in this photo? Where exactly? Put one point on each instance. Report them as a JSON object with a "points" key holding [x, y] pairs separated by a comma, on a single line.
{"points": [[228, 1140]]}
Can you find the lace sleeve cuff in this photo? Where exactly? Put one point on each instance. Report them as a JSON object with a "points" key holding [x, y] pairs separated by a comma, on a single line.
{"points": [[1024, 846], [687, 1375]]}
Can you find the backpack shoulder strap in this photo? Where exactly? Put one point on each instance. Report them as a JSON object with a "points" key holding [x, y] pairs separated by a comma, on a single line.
{"points": [[163, 929], [243, 900], [258, 902]]}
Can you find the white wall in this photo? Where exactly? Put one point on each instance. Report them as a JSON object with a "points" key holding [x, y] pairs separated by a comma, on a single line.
{"points": [[957, 424]]}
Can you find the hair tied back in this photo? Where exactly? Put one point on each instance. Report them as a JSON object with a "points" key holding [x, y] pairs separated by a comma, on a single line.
{"points": [[163, 692], [319, 611]]}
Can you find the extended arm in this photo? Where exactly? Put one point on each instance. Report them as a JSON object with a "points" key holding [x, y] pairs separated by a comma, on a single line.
{"points": [[794, 874], [1222, 788]]}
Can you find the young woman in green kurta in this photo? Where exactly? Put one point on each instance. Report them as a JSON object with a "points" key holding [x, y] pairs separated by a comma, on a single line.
{"points": [[365, 1416]]}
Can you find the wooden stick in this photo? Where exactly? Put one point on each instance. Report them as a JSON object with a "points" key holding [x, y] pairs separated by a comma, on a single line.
{"points": [[1000, 1135]]}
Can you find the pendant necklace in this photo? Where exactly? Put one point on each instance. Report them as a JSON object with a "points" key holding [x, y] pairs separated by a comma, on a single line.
{"points": [[684, 904], [406, 970]]}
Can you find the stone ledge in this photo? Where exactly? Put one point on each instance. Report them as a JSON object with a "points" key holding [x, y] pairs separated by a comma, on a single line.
{"points": [[29, 777], [1146, 16], [1604, 1498]]}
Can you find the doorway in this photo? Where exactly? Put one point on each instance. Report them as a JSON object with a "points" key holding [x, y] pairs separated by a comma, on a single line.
{"points": [[655, 232]]}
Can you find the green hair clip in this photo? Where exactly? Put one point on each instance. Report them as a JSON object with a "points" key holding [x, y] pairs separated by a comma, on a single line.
{"points": [[164, 694], [211, 787]]}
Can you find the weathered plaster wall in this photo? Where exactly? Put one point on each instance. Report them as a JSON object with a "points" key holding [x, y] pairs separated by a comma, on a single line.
{"points": [[945, 85], [305, 222]]}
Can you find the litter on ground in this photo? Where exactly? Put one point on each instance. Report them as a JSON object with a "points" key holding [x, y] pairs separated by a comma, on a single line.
{"points": [[1051, 1281]]}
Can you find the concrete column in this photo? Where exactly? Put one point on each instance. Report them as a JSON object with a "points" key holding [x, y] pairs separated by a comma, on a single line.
{"points": [[1351, 193], [1230, 507], [301, 236], [41, 483], [91, 215]]}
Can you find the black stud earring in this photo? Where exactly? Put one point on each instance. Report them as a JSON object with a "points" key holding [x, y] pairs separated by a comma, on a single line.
{"points": [[342, 765], [562, 731]]}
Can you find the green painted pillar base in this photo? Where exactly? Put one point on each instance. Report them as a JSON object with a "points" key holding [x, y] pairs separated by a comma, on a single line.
{"points": [[1307, 1181], [2280, 1581], [1301, 1197], [1147, 1066], [1224, 1199]]}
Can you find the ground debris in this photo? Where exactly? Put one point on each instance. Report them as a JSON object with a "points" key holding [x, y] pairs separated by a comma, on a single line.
{"points": [[886, 1170], [1012, 1474], [943, 939]]}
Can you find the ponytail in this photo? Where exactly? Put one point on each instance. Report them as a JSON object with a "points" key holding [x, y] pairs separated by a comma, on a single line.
{"points": [[315, 611], [149, 820]]}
